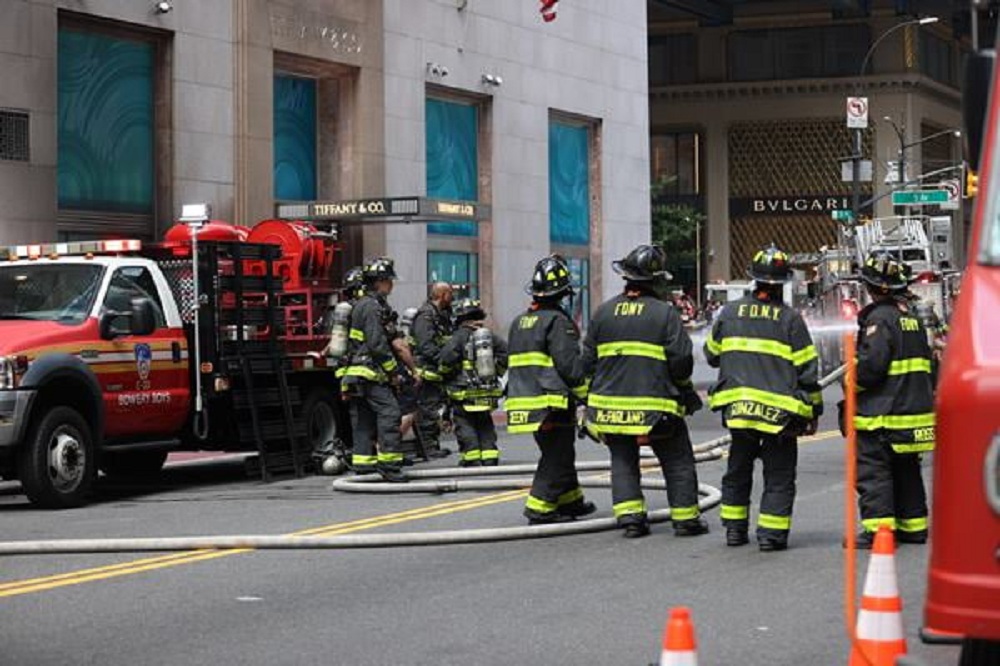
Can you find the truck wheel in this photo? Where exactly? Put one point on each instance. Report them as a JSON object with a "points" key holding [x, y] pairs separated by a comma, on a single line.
{"points": [[126, 464], [979, 653], [57, 466], [320, 415]]}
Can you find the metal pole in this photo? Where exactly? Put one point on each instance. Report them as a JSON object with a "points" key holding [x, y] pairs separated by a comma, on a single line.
{"points": [[856, 178], [697, 264]]}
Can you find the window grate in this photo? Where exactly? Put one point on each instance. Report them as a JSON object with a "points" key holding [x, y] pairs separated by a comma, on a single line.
{"points": [[14, 136]]}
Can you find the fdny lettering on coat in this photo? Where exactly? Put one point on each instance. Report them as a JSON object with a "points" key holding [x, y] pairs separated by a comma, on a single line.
{"points": [[527, 321], [909, 324], [759, 311], [620, 417], [629, 309], [517, 418]]}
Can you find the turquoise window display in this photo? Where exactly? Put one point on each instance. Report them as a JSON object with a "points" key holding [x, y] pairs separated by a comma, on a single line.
{"points": [[105, 123], [569, 184], [294, 138], [452, 138], [459, 269]]}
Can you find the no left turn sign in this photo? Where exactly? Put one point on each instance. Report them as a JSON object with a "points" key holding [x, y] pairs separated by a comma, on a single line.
{"points": [[857, 113]]}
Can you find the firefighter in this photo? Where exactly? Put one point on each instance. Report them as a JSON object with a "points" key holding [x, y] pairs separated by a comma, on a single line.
{"points": [[371, 374], [544, 386], [639, 357], [432, 326], [895, 419], [768, 393], [479, 359]]}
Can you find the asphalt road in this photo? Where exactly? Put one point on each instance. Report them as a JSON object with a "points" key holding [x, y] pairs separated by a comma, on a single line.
{"points": [[592, 599]]}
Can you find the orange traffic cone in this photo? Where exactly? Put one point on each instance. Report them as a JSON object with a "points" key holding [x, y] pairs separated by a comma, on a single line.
{"points": [[678, 639], [880, 620]]}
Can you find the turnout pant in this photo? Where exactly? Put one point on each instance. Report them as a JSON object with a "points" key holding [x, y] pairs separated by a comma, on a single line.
{"points": [[779, 455], [375, 412], [555, 483], [890, 486], [671, 443], [477, 436], [430, 400]]}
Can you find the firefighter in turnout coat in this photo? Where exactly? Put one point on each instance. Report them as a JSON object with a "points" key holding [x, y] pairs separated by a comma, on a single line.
{"points": [[639, 358], [477, 359], [768, 394], [370, 375], [544, 387], [895, 419], [432, 326]]}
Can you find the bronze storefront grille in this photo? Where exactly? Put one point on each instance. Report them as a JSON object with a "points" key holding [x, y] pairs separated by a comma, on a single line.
{"points": [[786, 161]]}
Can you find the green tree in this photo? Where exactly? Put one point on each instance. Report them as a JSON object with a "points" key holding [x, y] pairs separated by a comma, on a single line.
{"points": [[675, 227]]}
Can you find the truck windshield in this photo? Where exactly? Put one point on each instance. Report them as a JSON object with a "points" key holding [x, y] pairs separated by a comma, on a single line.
{"points": [[62, 293]]}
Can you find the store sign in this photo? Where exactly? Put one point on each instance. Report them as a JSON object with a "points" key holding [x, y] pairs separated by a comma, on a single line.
{"points": [[308, 28], [804, 205]]}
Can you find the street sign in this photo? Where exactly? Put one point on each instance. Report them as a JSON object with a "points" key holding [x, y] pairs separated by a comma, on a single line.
{"points": [[919, 197], [954, 190], [892, 173], [864, 171], [843, 215], [857, 113]]}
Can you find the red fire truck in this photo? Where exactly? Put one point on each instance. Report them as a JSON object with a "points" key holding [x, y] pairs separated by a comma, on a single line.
{"points": [[964, 576], [114, 353]]}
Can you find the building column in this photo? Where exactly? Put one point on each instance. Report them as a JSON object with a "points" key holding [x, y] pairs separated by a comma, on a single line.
{"points": [[717, 201]]}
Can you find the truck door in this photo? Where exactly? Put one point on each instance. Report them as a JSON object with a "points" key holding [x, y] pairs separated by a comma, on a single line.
{"points": [[145, 379]]}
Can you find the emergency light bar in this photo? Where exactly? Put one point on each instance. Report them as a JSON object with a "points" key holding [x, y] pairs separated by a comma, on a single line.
{"points": [[53, 250]]}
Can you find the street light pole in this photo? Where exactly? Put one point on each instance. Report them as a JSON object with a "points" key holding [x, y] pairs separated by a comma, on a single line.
{"points": [[856, 157]]}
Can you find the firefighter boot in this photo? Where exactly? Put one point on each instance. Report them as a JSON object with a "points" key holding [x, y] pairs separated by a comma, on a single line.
{"points": [[392, 474], [636, 528], [548, 518], [737, 536], [577, 509], [772, 544], [690, 528], [863, 541]]}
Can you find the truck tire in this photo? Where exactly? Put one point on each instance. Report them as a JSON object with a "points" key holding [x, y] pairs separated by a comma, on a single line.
{"points": [[319, 412], [979, 653], [132, 464], [57, 466]]}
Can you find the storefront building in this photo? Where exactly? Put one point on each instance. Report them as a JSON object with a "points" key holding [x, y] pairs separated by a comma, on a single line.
{"points": [[114, 114]]}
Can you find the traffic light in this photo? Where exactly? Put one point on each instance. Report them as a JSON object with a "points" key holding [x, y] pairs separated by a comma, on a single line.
{"points": [[971, 183]]}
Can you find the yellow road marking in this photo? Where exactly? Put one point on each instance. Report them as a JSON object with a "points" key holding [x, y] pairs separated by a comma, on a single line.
{"points": [[28, 586]]}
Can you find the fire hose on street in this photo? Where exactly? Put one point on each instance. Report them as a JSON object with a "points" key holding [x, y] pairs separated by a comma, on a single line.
{"points": [[436, 481]]}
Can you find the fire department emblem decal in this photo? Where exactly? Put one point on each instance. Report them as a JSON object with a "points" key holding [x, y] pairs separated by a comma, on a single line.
{"points": [[143, 364]]}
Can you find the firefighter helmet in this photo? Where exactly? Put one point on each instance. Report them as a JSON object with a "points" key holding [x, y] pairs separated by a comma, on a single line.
{"points": [[551, 278], [645, 263], [770, 266], [379, 268], [353, 279], [884, 271], [469, 309]]}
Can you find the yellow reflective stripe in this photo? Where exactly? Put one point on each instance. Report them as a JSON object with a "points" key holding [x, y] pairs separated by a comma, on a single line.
{"points": [[629, 508], [547, 401], [631, 348], [357, 334], [581, 390], [390, 457], [340, 372], [357, 459], [759, 426], [570, 496], [816, 398], [732, 512], [474, 454], [490, 454], [429, 375], [756, 346], [769, 521], [908, 365], [389, 365], [634, 404], [467, 364], [525, 428], [713, 346], [894, 421], [362, 371], [912, 524], [804, 355], [919, 447], [684, 512], [872, 524], [787, 403], [530, 359], [601, 428], [539, 505]]}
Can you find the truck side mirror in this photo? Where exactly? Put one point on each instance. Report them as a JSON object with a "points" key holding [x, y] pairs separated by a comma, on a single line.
{"points": [[143, 317], [975, 101]]}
